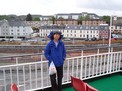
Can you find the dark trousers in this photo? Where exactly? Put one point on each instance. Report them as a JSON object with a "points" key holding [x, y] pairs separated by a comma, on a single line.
{"points": [[56, 82]]}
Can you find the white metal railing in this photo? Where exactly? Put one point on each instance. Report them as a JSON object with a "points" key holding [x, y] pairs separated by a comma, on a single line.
{"points": [[33, 76]]}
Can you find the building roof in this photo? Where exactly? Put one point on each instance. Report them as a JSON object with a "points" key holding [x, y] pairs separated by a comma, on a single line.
{"points": [[17, 23], [3, 21]]}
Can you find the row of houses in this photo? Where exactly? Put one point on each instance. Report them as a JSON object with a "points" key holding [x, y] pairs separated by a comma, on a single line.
{"points": [[90, 22], [67, 19], [78, 31], [21, 29]]}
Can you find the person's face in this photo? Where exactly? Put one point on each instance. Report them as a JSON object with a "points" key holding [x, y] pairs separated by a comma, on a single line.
{"points": [[56, 36]]}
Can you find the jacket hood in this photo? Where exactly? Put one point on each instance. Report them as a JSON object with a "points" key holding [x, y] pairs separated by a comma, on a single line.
{"points": [[55, 32]]}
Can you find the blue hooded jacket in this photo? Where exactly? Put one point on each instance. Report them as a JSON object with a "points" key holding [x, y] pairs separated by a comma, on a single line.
{"points": [[53, 53]]}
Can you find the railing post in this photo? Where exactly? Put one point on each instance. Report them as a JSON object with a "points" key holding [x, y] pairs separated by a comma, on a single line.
{"points": [[4, 79], [42, 72], [17, 72], [81, 67], [30, 77], [68, 71], [36, 75], [108, 61], [120, 61], [24, 77], [81, 64]]}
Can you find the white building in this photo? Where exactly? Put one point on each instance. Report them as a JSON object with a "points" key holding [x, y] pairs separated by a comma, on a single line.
{"points": [[19, 29], [73, 31], [116, 29], [83, 32], [4, 28], [14, 29]]}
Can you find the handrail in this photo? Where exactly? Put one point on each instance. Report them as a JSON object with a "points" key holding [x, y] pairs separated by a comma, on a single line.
{"points": [[34, 75]]}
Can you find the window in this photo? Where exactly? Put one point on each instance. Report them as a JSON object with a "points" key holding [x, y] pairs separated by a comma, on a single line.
{"points": [[106, 28], [87, 27], [92, 27], [80, 27], [96, 27]]}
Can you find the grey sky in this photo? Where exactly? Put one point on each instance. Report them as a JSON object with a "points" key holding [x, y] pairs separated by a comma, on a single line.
{"points": [[101, 4], [50, 7], [111, 7]]}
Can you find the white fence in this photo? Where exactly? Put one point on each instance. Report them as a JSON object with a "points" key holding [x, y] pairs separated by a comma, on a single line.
{"points": [[33, 76]]}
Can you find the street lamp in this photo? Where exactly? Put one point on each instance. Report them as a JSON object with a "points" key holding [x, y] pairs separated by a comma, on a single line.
{"points": [[110, 33]]}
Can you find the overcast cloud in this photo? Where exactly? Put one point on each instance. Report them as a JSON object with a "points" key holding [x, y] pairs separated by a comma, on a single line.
{"points": [[101, 4], [51, 7]]}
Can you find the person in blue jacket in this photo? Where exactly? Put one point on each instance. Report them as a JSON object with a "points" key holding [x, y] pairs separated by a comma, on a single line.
{"points": [[55, 51]]}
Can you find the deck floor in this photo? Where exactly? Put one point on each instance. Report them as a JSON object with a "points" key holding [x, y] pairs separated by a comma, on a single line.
{"points": [[111, 83]]}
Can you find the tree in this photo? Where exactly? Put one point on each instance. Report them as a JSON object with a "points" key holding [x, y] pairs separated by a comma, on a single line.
{"points": [[35, 29], [61, 18], [36, 19], [107, 19], [87, 17], [4, 17], [53, 19], [83, 18], [29, 17], [80, 19]]}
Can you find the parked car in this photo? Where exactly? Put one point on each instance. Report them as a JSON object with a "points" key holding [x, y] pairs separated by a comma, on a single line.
{"points": [[32, 40], [15, 39], [67, 39], [94, 38], [2, 40], [86, 39], [43, 39]]}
